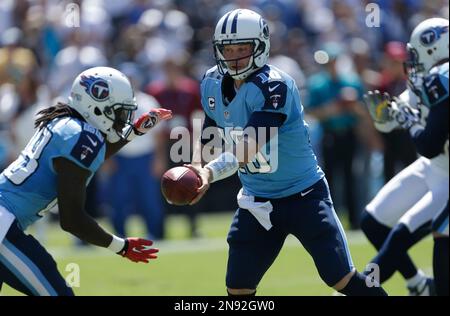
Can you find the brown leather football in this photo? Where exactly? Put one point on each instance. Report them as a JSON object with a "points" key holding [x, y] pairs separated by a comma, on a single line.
{"points": [[179, 185]]}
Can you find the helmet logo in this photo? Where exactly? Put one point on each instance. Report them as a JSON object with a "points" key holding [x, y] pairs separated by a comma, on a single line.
{"points": [[97, 88], [431, 35]]}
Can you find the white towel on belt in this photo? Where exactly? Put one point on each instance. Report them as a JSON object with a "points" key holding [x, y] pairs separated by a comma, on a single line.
{"points": [[260, 210], [6, 219]]}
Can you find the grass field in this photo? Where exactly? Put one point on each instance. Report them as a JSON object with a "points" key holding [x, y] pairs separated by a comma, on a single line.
{"points": [[196, 267]]}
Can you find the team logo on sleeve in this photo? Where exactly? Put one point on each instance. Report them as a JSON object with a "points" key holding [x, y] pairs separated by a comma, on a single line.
{"points": [[275, 99], [86, 149], [97, 88], [434, 89], [275, 94]]}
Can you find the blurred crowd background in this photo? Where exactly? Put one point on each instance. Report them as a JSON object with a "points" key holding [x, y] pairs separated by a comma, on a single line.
{"points": [[164, 46]]}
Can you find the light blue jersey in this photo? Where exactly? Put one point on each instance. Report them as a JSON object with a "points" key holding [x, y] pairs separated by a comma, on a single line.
{"points": [[435, 85], [269, 89], [28, 187]]}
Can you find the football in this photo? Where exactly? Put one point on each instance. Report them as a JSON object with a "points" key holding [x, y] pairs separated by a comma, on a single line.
{"points": [[179, 185]]}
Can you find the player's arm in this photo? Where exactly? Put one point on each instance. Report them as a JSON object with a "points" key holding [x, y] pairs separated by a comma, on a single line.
{"points": [[71, 192], [430, 140], [71, 185], [140, 127], [266, 123], [242, 152]]}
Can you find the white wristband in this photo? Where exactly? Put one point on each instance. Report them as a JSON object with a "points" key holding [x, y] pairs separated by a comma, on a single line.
{"points": [[223, 166], [116, 244]]}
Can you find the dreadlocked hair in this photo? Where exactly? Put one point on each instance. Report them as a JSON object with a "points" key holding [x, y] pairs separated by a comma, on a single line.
{"points": [[56, 111]]}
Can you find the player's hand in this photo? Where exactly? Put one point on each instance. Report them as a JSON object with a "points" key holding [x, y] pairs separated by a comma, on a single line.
{"points": [[378, 105], [139, 250], [404, 114], [148, 120], [206, 177]]}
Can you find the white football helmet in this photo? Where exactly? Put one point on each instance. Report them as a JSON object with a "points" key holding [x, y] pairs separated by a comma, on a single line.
{"points": [[242, 26], [428, 46], [105, 99]]}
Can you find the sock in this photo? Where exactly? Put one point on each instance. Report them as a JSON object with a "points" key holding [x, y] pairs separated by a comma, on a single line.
{"points": [[374, 231], [230, 294], [377, 234], [441, 265], [357, 287], [393, 254], [415, 280]]}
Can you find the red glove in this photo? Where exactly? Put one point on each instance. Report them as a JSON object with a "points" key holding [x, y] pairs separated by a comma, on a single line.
{"points": [[148, 120], [138, 250]]}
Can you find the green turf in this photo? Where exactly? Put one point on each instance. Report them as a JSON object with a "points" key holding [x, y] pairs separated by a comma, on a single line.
{"points": [[197, 267]]}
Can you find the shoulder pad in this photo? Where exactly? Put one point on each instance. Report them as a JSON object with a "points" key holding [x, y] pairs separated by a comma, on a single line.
{"points": [[212, 73], [272, 85], [92, 130], [441, 69]]}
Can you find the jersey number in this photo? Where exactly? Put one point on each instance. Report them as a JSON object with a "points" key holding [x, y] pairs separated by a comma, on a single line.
{"points": [[27, 163]]}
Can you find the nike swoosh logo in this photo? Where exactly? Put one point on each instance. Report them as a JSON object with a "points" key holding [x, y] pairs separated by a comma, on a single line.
{"points": [[305, 193], [94, 143], [271, 89]]}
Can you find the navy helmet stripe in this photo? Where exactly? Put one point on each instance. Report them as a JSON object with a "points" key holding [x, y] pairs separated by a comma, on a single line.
{"points": [[224, 25], [234, 23]]}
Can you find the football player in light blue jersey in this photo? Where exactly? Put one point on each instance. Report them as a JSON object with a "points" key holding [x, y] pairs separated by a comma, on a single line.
{"points": [[427, 70], [71, 143], [257, 106], [273, 174]]}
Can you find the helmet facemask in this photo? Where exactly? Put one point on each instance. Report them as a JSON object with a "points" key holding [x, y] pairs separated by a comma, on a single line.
{"points": [[122, 116], [414, 70], [226, 65], [412, 66]]}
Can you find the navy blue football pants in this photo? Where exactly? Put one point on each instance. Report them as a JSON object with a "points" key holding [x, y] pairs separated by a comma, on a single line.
{"points": [[310, 218], [27, 267]]}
